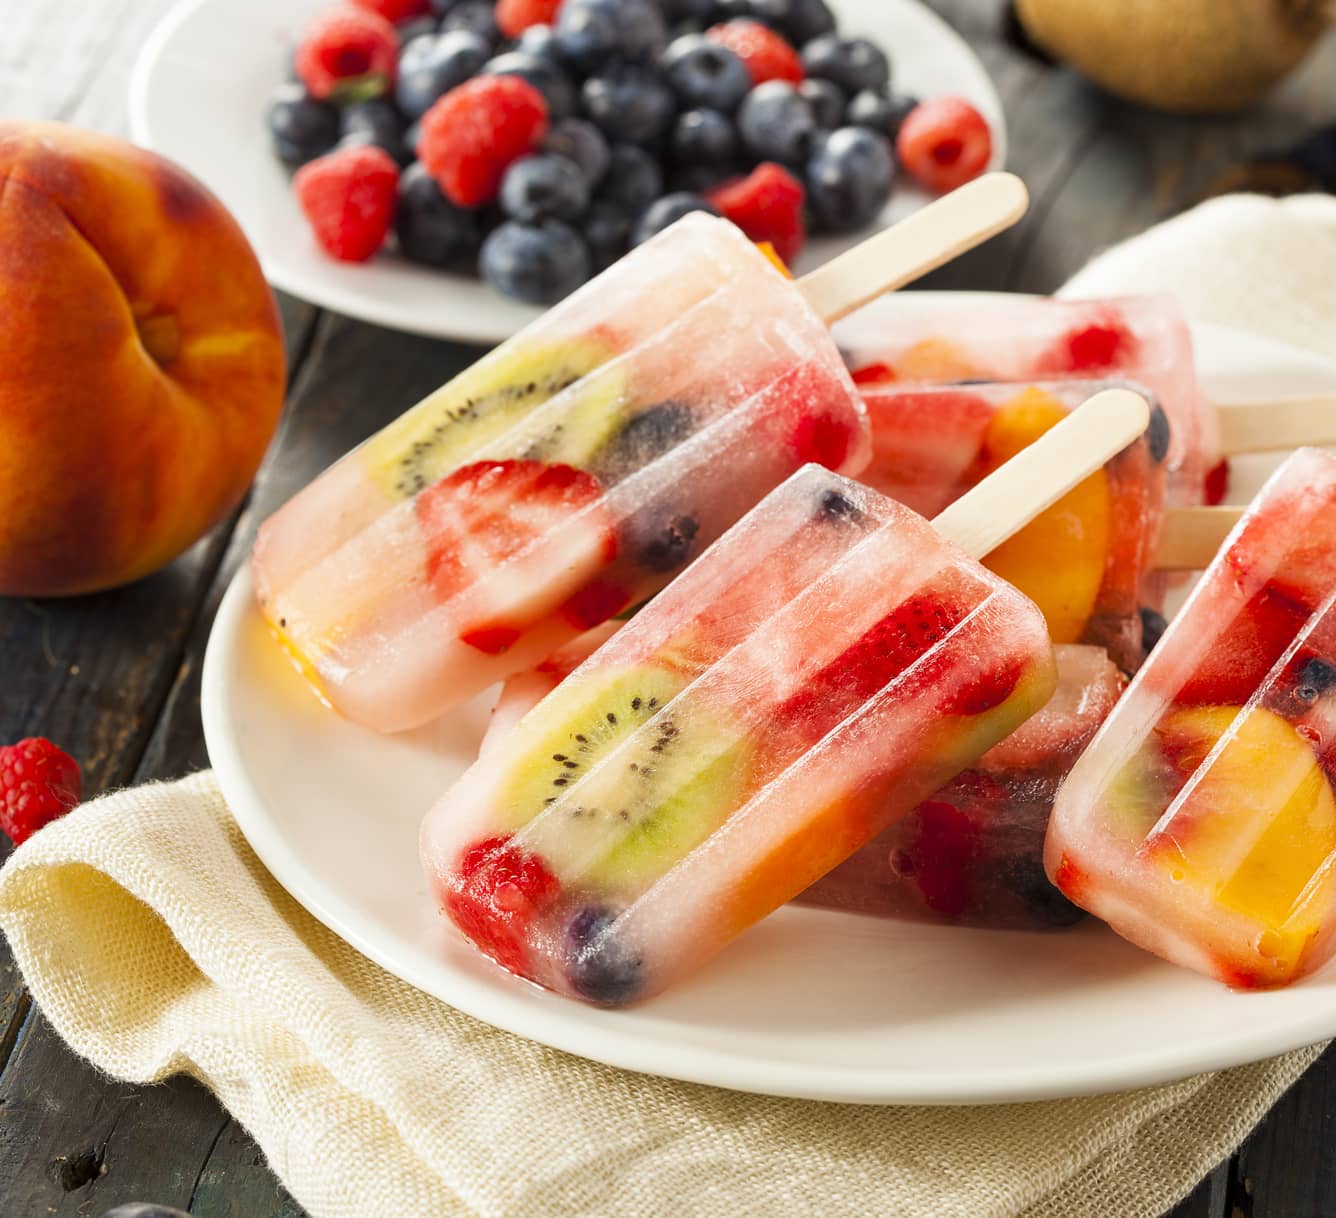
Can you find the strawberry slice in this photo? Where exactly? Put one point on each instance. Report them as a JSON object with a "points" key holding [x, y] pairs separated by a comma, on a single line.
{"points": [[520, 538], [1102, 343]]}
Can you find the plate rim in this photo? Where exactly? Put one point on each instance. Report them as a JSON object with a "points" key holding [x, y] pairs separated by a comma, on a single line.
{"points": [[567, 1026], [463, 324]]}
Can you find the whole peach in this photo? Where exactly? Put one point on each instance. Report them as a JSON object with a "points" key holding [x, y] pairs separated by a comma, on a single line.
{"points": [[141, 361]]}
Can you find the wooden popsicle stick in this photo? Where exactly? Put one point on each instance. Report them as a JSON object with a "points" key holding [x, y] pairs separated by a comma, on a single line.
{"points": [[1193, 536], [1264, 427], [924, 241], [1038, 476]]}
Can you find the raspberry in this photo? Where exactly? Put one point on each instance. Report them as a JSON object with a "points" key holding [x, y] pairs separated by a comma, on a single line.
{"points": [[394, 10], [1100, 345], [944, 143], [348, 54], [349, 197], [39, 783], [498, 890], [768, 206], [766, 55], [473, 134], [515, 16]]}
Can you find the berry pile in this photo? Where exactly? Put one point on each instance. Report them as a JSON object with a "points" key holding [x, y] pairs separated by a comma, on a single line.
{"points": [[535, 141]]}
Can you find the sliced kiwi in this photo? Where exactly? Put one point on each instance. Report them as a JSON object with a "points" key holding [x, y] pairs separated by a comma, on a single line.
{"points": [[444, 430], [617, 827]]}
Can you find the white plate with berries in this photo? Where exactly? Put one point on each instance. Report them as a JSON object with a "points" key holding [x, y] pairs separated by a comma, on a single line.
{"points": [[809, 1003], [638, 127]]}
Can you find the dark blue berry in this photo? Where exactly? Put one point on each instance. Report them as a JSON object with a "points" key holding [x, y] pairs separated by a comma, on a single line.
{"points": [[849, 178], [702, 12], [661, 540], [302, 128], [644, 436], [590, 33], [704, 137], [540, 41], [1023, 874], [415, 27], [583, 143], [827, 101], [599, 965], [474, 15], [854, 64], [376, 122], [703, 73], [879, 113], [668, 210], [808, 19], [545, 76], [700, 179], [542, 187], [1153, 626], [1157, 434], [431, 66], [836, 505], [629, 103], [1315, 678], [633, 180], [539, 263], [429, 227], [607, 229], [777, 123]]}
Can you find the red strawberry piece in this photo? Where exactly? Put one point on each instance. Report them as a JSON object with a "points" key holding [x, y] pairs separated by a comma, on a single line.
{"points": [[944, 142], [1235, 664], [498, 890], [1216, 485], [348, 197], [768, 206], [874, 374], [985, 690], [472, 135], [515, 16], [943, 855], [595, 603], [395, 10], [813, 414], [492, 513], [348, 54], [39, 783], [766, 55], [1094, 346]]}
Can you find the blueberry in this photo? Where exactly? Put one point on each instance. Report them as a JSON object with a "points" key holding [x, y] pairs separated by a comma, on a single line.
{"points": [[439, 8], [539, 263], [661, 542], [302, 128], [376, 122], [590, 33], [1153, 627], [836, 505], [849, 178], [646, 435], [607, 229], [629, 103], [854, 64], [540, 41], [543, 74], [827, 101], [703, 12], [539, 187], [582, 143], [473, 15], [433, 65], [1023, 873], [704, 137], [633, 180], [415, 27], [703, 73], [700, 179], [429, 227], [777, 123], [668, 210], [1157, 434], [879, 113], [1315, 678], [599, 965], [808, 19], [143, 1209]]}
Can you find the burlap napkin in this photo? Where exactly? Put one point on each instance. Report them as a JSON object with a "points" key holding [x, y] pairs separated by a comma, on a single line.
{"points": [[156, 943]]}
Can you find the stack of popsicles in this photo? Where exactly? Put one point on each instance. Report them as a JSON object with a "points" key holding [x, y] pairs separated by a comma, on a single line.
{"points": [[827, 695]]}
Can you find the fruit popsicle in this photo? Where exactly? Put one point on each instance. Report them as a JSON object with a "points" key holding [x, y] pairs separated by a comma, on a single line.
{"points": [[1086, 560], [565, 476], [1018, 338], [1201, 822], [973, 853]]}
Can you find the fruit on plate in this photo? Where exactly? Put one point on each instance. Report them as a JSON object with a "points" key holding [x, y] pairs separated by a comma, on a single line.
{"points": [[142, 370]]}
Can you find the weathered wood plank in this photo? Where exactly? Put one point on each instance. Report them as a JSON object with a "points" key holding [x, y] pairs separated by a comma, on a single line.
{"points": [[1210, 1199]]}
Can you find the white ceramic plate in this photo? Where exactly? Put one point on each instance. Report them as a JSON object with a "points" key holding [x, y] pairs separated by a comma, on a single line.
{"points": [[810, 1003], [199, 92]]}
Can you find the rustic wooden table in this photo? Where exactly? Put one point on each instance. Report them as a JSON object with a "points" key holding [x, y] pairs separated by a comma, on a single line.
{"points": [[115, 677]]}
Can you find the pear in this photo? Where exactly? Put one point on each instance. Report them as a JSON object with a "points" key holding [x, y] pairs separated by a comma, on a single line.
{"points": [[1186, 56]]}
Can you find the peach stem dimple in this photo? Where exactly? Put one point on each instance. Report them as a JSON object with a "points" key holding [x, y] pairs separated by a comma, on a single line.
{"points": [[160, 334]]}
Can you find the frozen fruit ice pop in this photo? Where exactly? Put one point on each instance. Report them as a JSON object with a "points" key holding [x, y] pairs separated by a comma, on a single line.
{"points": [[973, 853], [1201, 822], [1018, 338], [1086, 561], [823, 667], [565, 476]]}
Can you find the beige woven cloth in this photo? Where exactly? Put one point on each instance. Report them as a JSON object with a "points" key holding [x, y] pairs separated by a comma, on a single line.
{"points": [[156, 943]]}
